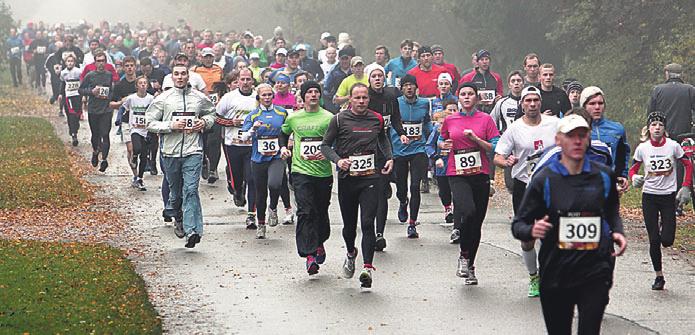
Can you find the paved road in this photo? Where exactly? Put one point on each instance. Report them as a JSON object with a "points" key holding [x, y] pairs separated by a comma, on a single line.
{"points": [[232, 283]]}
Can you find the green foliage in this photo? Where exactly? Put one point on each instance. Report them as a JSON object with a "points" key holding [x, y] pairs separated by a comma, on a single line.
{"points": [[6, 22], [70, 288]]}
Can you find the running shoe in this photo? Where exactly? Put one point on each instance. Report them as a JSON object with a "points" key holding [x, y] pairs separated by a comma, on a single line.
{"points": [[119, 131], [659, 283], [102, 167], [133, 162], [366, 277], [251, 222], [193, 239], [178, 229], [166, 217], [239, 199], [412, 231], [462, 269], [205, 171], [134, 183], [260, 232], [74, 141], [492, 190], [471, 279], [272, 217], [380, 243], [320, 254], [312, 266], [455, 236], [95, 159], [448, 215], [153, 169], [213, 177], [289, 217], [403, 212], [533, 286], [141, 185], [349, 265]]}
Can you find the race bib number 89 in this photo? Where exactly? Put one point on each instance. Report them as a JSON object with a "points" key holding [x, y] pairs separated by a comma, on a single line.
{"points": [[467, 163], [579, 232]]}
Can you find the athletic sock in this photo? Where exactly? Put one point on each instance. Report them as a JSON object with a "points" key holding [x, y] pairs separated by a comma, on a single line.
{"points": [[530, 260]]}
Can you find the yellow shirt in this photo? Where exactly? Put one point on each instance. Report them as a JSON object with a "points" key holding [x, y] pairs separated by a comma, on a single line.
{"points": [[346, 84]]}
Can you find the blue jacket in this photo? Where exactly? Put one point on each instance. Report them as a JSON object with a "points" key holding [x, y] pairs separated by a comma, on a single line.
{"points": [[272, 120], [613, 135], [14, 42], [399, 68], [437, 102], [433, 151], [417, 112]]}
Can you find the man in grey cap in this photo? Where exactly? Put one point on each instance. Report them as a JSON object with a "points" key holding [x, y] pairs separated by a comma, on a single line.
{"points": [[675, 99], [308, 64]]}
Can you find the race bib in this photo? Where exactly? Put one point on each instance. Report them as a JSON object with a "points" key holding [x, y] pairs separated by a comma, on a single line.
{"points": [[310, 147], [532, 162], [660, 166], [71, 88], [187, 117], [40, 50], [486, 96], [139, 119], [387, 121], [237, 137], [14, 50], [214, 97], [413, 129], [268, 145], [362, 165], [103, 92], [577, 232], [467, 162]]}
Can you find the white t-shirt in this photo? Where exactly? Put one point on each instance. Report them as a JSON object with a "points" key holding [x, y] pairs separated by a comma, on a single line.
{"points": [[659, 166], [235, 105], [194, 79], [137, 106], [327, 68], [527, 143]]}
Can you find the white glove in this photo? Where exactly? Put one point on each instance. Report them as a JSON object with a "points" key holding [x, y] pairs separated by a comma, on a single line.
{"points": [[683, 196], [637, 180]]}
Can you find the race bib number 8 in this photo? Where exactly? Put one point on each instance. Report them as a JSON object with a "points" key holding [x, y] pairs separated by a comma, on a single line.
{"points": [[362, 165], [413, 129], [467, 162], [310, 148], [268, 145], [486, 96], [579, 232]]}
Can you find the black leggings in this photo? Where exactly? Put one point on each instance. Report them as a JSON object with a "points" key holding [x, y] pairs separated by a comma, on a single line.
{"points": [[267, 175], [518, 190], [239, 171], [653, 206], [444, 190], [313, 195], [73, 110], [40, 75], [471, 196], [416, 165], [16, 70], [100, 125], [152, 148], [558, 307], [212, 142], [359, 194], [140, 152], [383, 202]]}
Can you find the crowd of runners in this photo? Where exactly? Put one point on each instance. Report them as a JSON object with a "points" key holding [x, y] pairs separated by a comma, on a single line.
{"points": [[288, 118]]}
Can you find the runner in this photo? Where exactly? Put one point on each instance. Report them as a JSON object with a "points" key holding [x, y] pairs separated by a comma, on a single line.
{"points": [[121, 91], [397, 67], [444, 85], [15, 48], [411, 159], [70, 79], [98, 85], [659, 154], [519, 148], [343, 94], [532, 66], [440, 158], [572, 206], [232, 110], [555, 100], [136, 104], [312, 175], [383, 100], [359, 138], [504, 113], [574, 89], [488, 82], [179, 115], [465, 135], [210, 73], [263, 125], [427, 73]]}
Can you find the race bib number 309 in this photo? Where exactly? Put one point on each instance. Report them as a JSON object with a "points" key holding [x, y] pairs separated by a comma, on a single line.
{"points": [[579, 232]]}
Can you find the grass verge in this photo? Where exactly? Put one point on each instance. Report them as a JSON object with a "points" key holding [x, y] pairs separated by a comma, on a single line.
{"points": [[34, 168], [71, 288]]}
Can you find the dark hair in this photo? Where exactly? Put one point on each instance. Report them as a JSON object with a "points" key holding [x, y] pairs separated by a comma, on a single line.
{"points": [[129, 59], [145, 61], [514, 73], [357, 85], [231, 76], [220, 87], [531, 56], [448, 102], [406, 42]]}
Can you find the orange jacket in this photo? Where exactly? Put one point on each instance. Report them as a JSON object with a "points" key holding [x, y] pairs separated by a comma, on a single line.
{"points": [[210, 74]]}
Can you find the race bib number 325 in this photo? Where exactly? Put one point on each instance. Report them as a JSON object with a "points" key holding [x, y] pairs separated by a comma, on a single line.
{"points": [[362, 165]]}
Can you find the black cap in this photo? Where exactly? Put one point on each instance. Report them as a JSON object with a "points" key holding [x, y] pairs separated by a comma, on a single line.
{"points": [[409, 78], [306, 86], [424, 50], [656, 116], [346, 51]]}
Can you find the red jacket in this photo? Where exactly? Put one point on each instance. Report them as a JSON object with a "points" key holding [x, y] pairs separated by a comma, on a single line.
{"points": [[108, 67], [427, 81], [489, 80]]}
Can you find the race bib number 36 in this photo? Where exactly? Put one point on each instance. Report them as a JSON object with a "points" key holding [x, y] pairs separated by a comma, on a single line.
{"points": [[310, 148], [362, 165], [268, 145], [467, 162], [579, 232]]}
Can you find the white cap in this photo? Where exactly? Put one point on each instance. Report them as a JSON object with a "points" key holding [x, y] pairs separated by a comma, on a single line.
{"points": [[324, 35], [373, 67], [254, 55], [587, 93], [300, 46], [530, 90], [571, 122], [281, 51], [445, 76]]}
